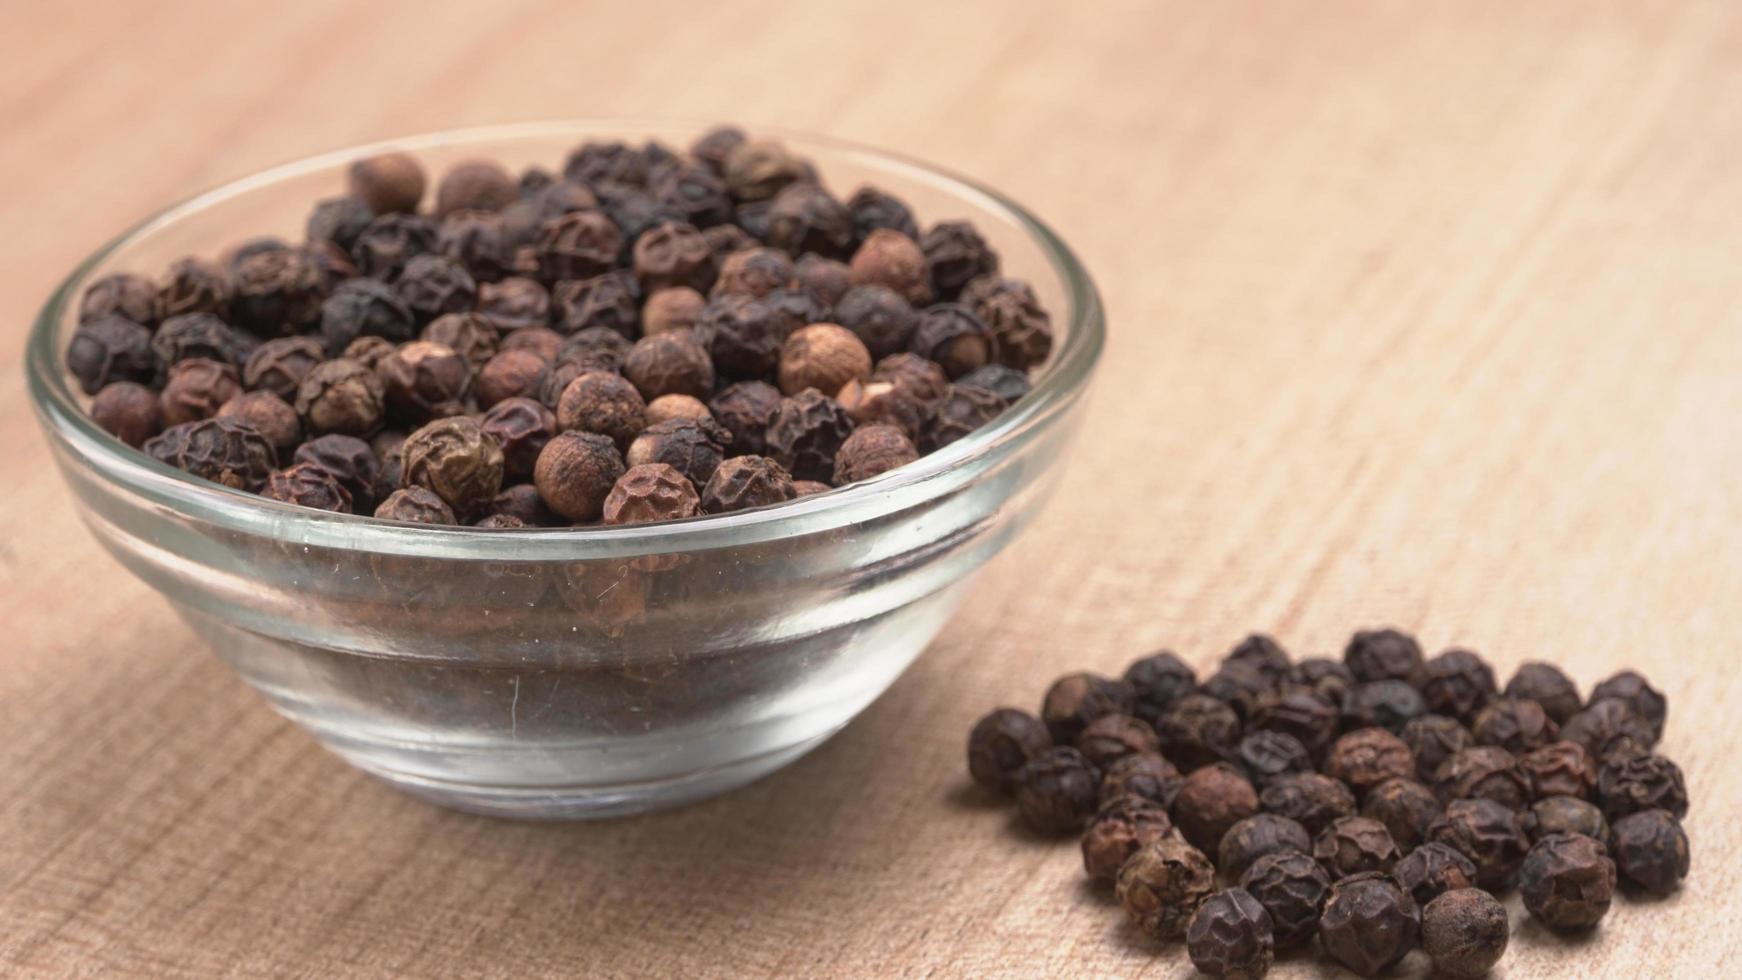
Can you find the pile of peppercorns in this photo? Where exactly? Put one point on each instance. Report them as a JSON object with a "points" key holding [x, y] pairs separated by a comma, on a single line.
{"points": [[645, 336], [1375, 803]]}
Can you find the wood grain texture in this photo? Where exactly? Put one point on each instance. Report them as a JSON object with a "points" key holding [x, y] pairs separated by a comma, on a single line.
{"points": [[1422, 313]]}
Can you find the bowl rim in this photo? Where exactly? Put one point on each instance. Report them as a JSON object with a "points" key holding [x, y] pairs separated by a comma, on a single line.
{"points": [[1063, 382]]}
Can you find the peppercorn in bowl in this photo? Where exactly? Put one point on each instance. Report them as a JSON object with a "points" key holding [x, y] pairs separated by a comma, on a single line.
{"points": [[565, 470]]}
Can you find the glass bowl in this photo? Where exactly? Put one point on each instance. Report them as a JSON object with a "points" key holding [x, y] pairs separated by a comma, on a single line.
{"points": [[573, 673]]}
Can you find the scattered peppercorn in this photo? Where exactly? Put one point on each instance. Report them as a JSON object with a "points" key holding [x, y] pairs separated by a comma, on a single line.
{"points": [[1383, 655], [1001, 744], [1651, 850], [1210, 801], [1464, 932], [1292, 887], [1457, 683], [1637, 693], [128, 411], [1058, 790], [1145, 774], [1488, 834], [1646, 781], [1230, 936], [1120, 827], [1161, 884]]}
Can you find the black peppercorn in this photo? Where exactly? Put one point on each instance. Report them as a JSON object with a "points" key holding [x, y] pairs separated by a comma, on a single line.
{"points": [[340, 395], [1432, 739], [1211, 800], [364, 308], [339, 220], [455, 459], [674, 254], [196, 389], [695, 195], [1328, 678], [711, 147], [271, 416], [1111, 737], [521, 426], [1368, 757], [1548, 686], [872, 209], [1386, 704], [803, 217], [746, 409], [826, 279], [432, 285], [883, 403], [1058, 790], [1119, 828], [190, 335], [1628, 784], [755, 170], [1406, 808], [961, 410], [279, 365], [1007, 383], [1230, 936], [1240, 685], [578, 245], [954, 254], [423, 380], [1457, 683], [1487, 833], [1351, 845], [1157, 681], [806, 432], [669, 363], [1606, 725], [128, 411], [1197, 729], [1433, 869], [121, 294], [415, 505], [193, 285], [1369, 923], [1638, 694], [351, 461], [695, 447], [307, 485], [1486, 772], [1567, 881], [1464, 932], [1001, 744], [226, 451], [1162, 883], [1021, 328], [1254, 837], [1563, 815], [1383, 655], [575, 472], [1308, 798], [1146, 774], [951, 335], [1075, 700], [469, 334], [1292, 887], [1300, 712], [1558, 769], [522, 502], [107, 349], [1513, 724], [277, 293], [1651, 850], [1265, 755], [880, 317], [515, 303], [921, 378]]}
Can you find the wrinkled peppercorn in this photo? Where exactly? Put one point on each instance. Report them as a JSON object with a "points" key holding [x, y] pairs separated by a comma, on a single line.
{"points": [[226, 451], [672, 308], [1563, 815], [695, 447], [456, 460], [1292, 887], [1651, 850], [433, 285], [338, 220], [955, 254], [1240, 685], [1230, 936], [1432, 739], [961, 410], [1386, 704], [1058, 790], [470, 335], [1637, 693], [1513, 724], [1406, 808], [880, 317], [196, 389], [669, 363], [1548, 686], [277, 293], [754, 272], [415, 505], [575, 472], [307, 485], [190, 335], [1161, 885], [521, 426], [806, 432], [1383, 655], [1110, 738], [279, 365], [1265, 755], [755, 170], [271, 416], [1001, 744], [1157, 681], [364, 308], [746, 409], [1146, 774], [122, 294], [871, 451], [1457, 683], [1254, 837], [606, 300], [515, 304], [1487, 833], [1567, 881], [1351, 845], [894, 261], [711, 147], [1075, 700], [651, 492], [803, 217], [423, 380], [953, 337], [1309, 798], [1486, 772], [827, 279], [1211, 800], [883, 403], [1558, 769], [1301, 713], [1369, 923], [1328, 678], [107, 349], [1368, 757], [1433, 869], [578, 245], [128, 411], [1007, 383], [351, 461], [1120, 827], [340, 395], [522, 502], [1606, 725], [1197, 729], [872, 209], [1464, 932], [695, 195], [1021, 328], [1629, 784]]}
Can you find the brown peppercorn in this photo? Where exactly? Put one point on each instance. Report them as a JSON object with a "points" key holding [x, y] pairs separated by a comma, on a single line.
{"points": [[1548, 686], [516, 303], [803, 217], [122, 294], [607, 300], [1646, 701], [522, 502], [872, 451], [882, 319], [340, 395], [478, 241], [521, 426], [1567, 882], [1292, 887], [576, 471], [604, 403], [1057, 791], [673, 253], [354, 463], [277, 293], [1457, 683], [1021, 327], [1486, 771], [1651, 850], [109, 349], [1197, 729], [1513, 724], [1407, 808], [279, 365], [1120, 827], [669, 363], [667, 407], [388, 182], [271, 416], [1352, 845], [1368, 757], [369, 352], [307, 485], [433, 285], [541, 341], [924, 380], [475, 185], [226, 451], [1110, 738], [578, 245], [1563, 815], [1607, 725], [671, 308], [1369, 923], [823, 356], [827, 279], [1075, 700], [892, 260], [951, 335], [1300, 712], [1464, 932], [1383, 655], [806, 432], [883, 403], [392, 240], [455, 459], [726, 239], [415, 505], [962, 409], [193, 285], [1433, 869], [1256, 836], [695, 447], [955, 254], [1311, 799], [1263, 756], [1326, 677], [1230, 936], [518, 373], [711, 147], [1486, 832], [128, 411], [1211, 800], [651, 492], [1432, 739], [746, 481], [1001, 743], [1158, 680], [469, 334], [197, 388], [424, 380], [1162, 884], [755, 170], [1629, 784], [754, 272], [1146, 774], [1558, 769], [746, 409]]}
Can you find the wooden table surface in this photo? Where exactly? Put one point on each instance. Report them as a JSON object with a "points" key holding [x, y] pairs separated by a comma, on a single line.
{"points": [[1421, 313]]}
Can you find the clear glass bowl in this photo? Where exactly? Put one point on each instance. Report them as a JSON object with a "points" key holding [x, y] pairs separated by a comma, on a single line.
{"points": [[564, 673]]}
